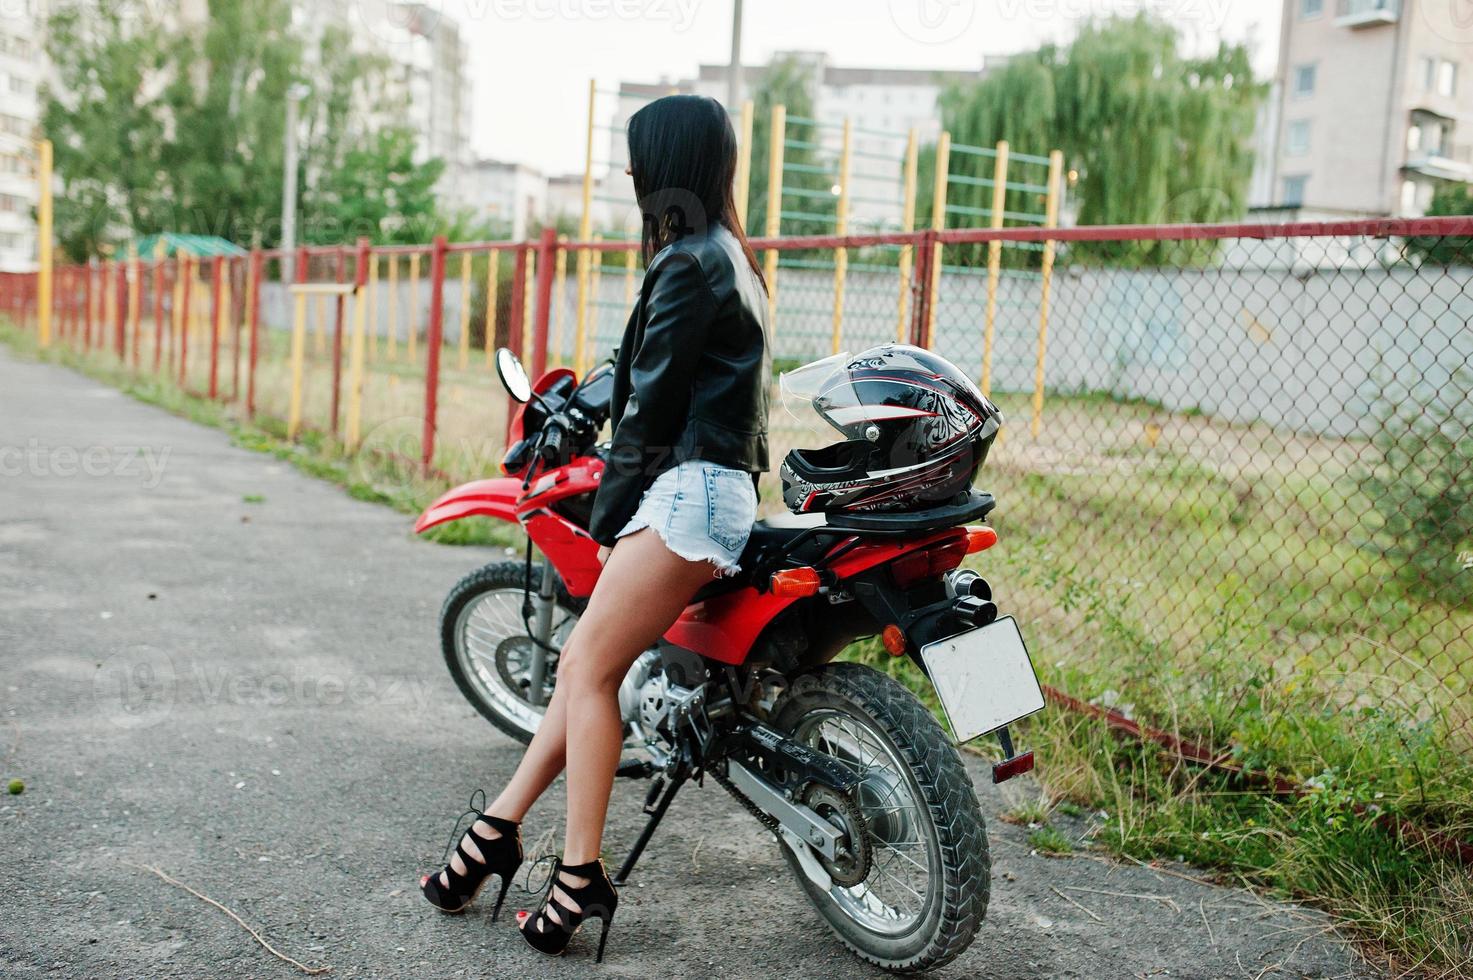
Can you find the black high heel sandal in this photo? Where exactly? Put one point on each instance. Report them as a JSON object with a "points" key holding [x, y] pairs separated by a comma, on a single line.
{"points": [[499, 856], [595, 900]]}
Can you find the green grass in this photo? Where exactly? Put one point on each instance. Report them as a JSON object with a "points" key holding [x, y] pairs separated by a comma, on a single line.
{"points": [[1214, 581], [1049, 840]]}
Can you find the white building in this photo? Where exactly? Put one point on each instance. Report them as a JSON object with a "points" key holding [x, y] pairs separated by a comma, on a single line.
{"points": [[883, 104], [428, 88], [511, 195], [22, 71]]}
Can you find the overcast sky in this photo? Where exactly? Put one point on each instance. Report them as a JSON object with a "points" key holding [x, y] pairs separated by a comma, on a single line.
{"points": [[531, 59]]}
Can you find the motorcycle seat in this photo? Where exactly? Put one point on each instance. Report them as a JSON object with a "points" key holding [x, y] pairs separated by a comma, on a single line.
{"points": [[768, 534]]}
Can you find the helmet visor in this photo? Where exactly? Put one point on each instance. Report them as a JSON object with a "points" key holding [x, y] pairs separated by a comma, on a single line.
{"points": [[798, 388]]}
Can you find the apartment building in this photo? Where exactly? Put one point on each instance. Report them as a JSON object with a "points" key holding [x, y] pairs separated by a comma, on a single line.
{"points": [[1372, 107], [23, 68], [883, 104]]}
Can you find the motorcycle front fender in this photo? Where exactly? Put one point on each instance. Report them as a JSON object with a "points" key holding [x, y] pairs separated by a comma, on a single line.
{"points": [[496, 498]]}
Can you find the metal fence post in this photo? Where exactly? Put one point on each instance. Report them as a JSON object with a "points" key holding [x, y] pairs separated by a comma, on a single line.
{"points": [[994, 261], [938, 223], [217, 280], [841, 228], [779, 123], [253, 301], [299, 343], [186, 272], [744, 162], [541, 316], [518, 306], [340, 263], [433, 338], [356, 349], [1051, 220], [907, 223]]}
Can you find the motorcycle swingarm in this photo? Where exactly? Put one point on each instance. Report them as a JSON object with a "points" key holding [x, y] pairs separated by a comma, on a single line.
{"points": [[786, 764]]}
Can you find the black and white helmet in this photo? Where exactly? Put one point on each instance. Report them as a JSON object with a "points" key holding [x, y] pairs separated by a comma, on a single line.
{"points": [[916, 430]]}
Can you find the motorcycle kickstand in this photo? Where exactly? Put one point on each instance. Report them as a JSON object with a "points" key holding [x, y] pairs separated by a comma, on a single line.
{"points": [[657, 813]]}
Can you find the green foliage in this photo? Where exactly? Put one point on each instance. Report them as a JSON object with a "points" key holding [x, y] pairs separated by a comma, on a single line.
{"points": [[1157, 137], [162, 126], [1449, 200], [1420, 481], [1049, 840], [788, 82]]}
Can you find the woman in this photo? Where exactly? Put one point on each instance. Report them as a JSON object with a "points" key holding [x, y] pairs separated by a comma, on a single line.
{"points": [[675, 506]]}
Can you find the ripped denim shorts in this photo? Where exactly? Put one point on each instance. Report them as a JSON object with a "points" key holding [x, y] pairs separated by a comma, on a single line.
{"points": [[702, 511]]}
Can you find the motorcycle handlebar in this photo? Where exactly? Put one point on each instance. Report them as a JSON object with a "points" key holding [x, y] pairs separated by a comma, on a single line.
{"points": [[552, 442]]}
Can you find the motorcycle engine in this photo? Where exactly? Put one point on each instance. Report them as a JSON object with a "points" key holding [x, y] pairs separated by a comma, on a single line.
{"points": [[646, 699]]}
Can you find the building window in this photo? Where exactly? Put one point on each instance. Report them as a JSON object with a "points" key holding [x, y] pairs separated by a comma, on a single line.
{"points": [[1296, 140], [1304, 79], [1447, 79], [1294, 191], [1427, 69], [1309, 9], [1408, 197]]}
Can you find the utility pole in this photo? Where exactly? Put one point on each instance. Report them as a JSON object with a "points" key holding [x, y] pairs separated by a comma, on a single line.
{"points": [[734, 71], [294, 96]]}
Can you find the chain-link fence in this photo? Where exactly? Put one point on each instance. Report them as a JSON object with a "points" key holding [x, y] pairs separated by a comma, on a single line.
{"points": [[1235, 483]]}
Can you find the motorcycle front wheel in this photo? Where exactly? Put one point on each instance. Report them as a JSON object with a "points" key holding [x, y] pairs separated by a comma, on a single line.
{"points": [[483, 636], [928, 866]]}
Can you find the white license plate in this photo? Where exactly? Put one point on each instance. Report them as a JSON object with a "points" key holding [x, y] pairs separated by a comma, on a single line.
{"points": [[984, 678]]}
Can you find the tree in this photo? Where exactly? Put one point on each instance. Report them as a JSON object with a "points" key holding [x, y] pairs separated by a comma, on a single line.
{"points": [[1157, 137], [788, 82], [1448, 200], [166, 126]]}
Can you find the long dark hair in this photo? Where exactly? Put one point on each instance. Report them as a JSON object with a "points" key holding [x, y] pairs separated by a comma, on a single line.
{"points": [[683, 155]]}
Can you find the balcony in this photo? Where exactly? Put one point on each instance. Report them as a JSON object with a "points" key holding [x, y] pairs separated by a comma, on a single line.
{"points": [[1447, 162], [1359, 14]]}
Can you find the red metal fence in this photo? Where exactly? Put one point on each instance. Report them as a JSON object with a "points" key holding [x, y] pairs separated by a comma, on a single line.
{"points": [[1237, 469]]}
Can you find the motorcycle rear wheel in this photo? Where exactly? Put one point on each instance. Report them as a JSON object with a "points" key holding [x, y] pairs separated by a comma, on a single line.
{"points": [[928, 883]]}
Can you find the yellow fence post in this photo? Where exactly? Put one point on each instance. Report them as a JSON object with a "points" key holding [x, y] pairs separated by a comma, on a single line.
{"points": [[393, 337], [744, 162], [529, 295], [629, 278], [774, 206], [44, 252], [559, 300], [176, 324], [319, 330], [841, 227], [355, 368], [595, 278], [493, 263], [1051, 220], [299, 354], [372, 312], [411, 340], [585, 259], [994, 261], [938, 223], [465, 310], [907, 223], [135, 294]]}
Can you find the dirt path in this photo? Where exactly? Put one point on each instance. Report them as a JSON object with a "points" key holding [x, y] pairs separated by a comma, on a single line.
{"points": [[212, 664]]}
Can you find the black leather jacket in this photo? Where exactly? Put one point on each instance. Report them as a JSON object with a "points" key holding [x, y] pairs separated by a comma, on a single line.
{"points": [[691, 376]]}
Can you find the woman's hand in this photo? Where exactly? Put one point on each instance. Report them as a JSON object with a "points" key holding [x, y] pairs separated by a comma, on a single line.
{"points": [[603, 553]]}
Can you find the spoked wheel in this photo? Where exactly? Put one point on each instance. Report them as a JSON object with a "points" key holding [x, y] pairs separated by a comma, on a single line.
{"points": [[925, 864], [485, 642]]}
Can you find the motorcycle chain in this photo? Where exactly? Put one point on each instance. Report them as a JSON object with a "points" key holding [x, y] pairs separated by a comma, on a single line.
{"points": [[765, 819]]}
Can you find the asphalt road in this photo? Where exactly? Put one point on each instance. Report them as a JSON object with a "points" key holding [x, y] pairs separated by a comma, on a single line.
{"points": [[216, 666]]}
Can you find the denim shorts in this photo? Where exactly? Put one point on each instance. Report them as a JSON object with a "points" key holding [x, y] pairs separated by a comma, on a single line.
{"points": [[702, 511]]}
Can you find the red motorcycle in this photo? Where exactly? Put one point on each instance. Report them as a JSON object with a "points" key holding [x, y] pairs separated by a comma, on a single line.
{"points": [[851, 773]]}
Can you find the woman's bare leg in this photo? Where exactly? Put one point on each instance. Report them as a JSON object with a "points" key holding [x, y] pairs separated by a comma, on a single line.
{"points": [[643, 589]]}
